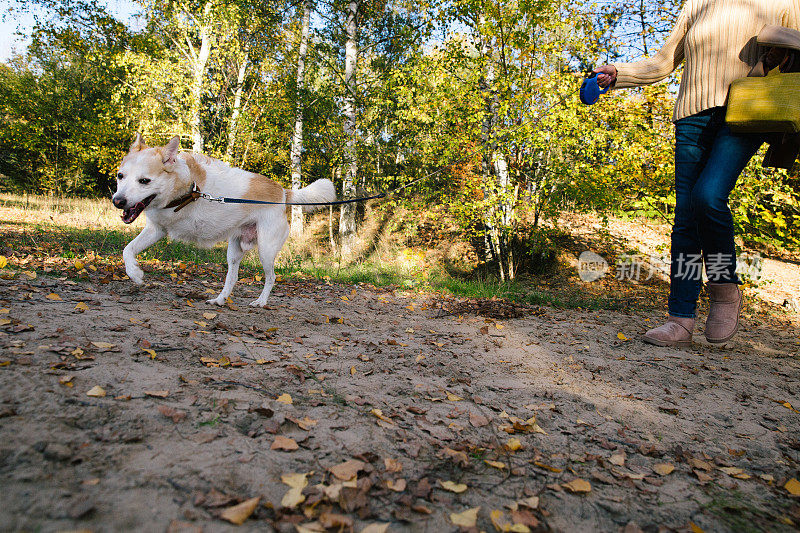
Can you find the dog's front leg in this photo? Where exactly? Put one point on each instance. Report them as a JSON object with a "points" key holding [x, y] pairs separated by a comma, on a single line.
{"points": [[235, 255], [150, 235]]}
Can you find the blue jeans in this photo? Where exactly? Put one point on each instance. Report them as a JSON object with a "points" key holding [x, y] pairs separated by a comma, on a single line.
{"points": [[708, 161]]}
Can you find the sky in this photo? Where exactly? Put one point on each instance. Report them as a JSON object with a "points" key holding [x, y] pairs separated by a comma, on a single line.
{"points": [[12, 22]]}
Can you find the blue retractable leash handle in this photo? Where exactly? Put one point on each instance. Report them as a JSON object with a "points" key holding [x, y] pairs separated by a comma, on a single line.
{"points": [[591, 91]]}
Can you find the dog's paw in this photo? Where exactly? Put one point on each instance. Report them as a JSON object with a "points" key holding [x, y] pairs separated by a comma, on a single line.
{"points": [[136, 275], [219, 300], [259, 303]]}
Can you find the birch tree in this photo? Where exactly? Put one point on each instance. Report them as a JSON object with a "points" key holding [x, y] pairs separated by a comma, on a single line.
{"points": [[297, 137], [347, 217]]}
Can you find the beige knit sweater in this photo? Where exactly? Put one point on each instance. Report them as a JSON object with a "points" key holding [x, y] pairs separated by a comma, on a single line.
{"points": [[717, 40]]}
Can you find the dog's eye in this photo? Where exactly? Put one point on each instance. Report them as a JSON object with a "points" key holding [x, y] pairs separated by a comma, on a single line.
{"points": [[144, 181], [120, 176]]}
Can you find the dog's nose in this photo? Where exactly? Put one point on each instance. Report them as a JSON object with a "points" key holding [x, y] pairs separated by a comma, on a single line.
{"points": [[119, 203]]}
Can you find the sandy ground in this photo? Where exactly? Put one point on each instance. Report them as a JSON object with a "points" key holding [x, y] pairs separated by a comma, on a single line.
{"points": [[420, 390]]}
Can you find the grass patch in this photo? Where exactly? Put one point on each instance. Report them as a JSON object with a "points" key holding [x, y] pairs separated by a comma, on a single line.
{"points": [[69, 242]]}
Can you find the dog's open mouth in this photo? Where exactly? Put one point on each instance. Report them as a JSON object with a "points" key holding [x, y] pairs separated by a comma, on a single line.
{"points": [[130, 214]]}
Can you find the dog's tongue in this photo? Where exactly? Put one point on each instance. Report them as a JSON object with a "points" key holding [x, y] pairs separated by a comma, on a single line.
{"points": [[130, 214]]}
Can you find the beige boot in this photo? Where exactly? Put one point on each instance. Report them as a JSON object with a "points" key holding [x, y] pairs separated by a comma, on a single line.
{"points": [[676, 332], [723, 314]]}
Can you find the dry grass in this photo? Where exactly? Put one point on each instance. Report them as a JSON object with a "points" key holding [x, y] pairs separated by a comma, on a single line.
{"points": [[61, 211]]}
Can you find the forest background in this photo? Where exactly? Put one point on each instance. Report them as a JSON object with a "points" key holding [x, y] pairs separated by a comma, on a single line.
{"points": [[477, 95]]}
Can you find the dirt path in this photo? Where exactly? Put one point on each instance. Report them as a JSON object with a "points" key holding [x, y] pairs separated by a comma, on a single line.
{"points": [[394, 381]]}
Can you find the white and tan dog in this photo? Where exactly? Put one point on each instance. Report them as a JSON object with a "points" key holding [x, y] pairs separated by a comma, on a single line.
{"points": [[150, 179]]}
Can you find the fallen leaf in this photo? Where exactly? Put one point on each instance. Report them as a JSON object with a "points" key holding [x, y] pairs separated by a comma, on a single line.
{"points": [[66, 380], [150, 352], [284, 398], [239, 513], [157, 393], [478, 420], [663, 469], [3, 261], [457, 456], [379, 414], [736, 472], [466, 518], [103, 346], [513, 444], [392, 465], [53, 296], [453, 398], [792, 487], [294, 496], [548, 467], [502, 523], [695, 528], [622, 337], [209, 315], [375, 528], [82, 307], [96, 392], [284, 443], [532, 502], [397, 486], [172, 413], [78, 264], [333, 520], [347, 470], [578, 485], [618, 459], [458, 488], [496, 464]]}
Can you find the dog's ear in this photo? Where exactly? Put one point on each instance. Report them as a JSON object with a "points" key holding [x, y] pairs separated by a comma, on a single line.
{"points": [[138, 144], [169, 154]]}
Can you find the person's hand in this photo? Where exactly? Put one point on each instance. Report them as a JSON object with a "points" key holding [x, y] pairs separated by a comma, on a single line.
{"points": [[606, 75]]}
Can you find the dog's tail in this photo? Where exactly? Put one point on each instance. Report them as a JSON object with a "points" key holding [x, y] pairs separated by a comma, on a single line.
{"points": [[319, 191]]}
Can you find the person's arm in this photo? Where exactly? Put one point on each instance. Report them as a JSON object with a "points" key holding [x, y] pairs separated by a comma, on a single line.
{"points": [[662, 64]]}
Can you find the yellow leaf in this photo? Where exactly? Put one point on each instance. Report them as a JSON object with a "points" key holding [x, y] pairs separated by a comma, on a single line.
{"points": [[284, 443], [66, 380], [78, 264], [30, 274], [157, 393], [239, 513], [352, 371], [3, 261], [397, 486], [201, 323], [513, 444], [294, 496], [503, 524], [96, 392], [453, 398], [467, 518], [792, 487], [695, 528], [284, 398], [262, 361], [375, 528], [548, 467], [345, 298], [100, 345], [4, 311], [578, 485], [53, 296], [150, 352], [81, 306], [496, 464], [347, 470], [209, 315], [663, 469], [189, 303], [458, 488], [622, 337], [4, 321], [379, 414]]}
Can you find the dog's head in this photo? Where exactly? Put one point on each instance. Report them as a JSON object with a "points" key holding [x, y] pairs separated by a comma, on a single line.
{"points": [[146, 177]]}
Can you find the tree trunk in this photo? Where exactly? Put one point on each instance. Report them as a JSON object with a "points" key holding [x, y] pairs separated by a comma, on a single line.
{"points": [[237, 109], [347, 218], [199, 68], [297, 138]]}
